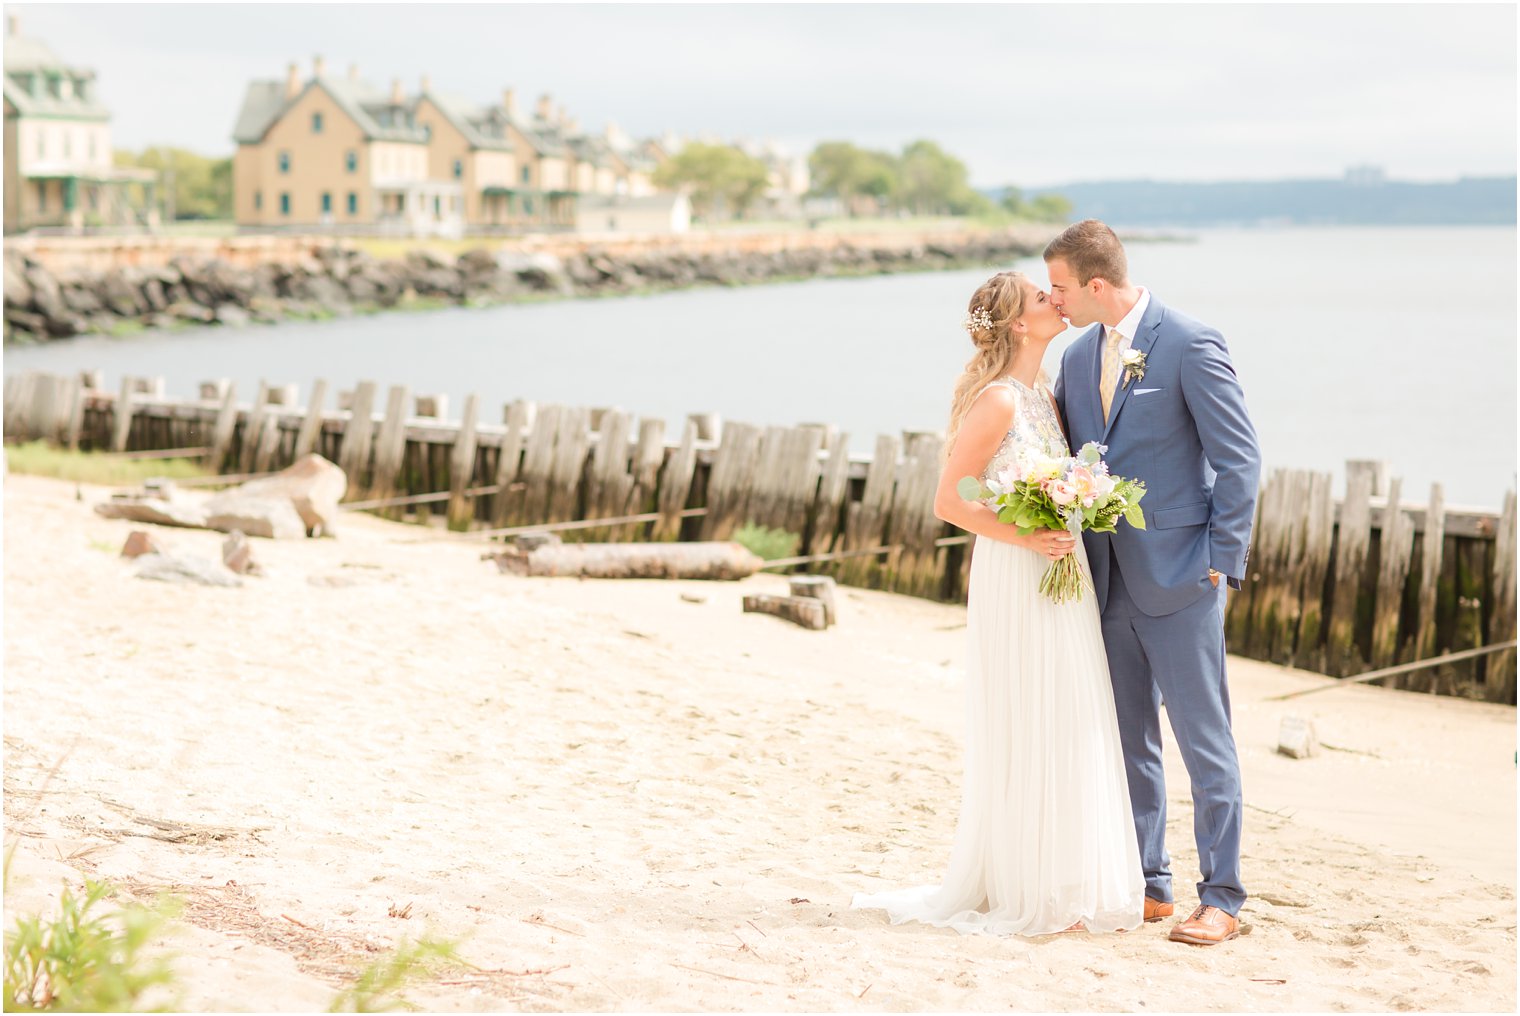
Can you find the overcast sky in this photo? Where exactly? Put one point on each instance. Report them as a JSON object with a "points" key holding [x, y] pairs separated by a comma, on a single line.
{"points": [[1025, 94]]}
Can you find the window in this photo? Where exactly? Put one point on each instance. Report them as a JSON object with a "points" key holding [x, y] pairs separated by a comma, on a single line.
{"points": [[258, 201], [316, 123], [458, 168], [528, 205], [527, 174], [285, 203], [427, 132], [284, 162], [353, 203], [327, 202], [351, 160], [41, 195]]}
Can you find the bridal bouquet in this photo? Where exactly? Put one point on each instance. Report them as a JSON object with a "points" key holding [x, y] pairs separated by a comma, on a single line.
{"points": [[1074, 493]]}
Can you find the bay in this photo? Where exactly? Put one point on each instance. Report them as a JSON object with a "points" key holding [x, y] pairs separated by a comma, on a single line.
{"points": [[1393, 343]]}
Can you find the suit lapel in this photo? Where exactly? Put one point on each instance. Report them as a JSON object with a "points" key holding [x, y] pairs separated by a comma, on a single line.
{"points": [[1150, 324]]}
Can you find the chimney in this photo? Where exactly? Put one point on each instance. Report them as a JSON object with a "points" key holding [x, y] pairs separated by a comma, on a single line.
{"points": [[545, 110], [318, 66], [509, 102], [398, 97], [427, 83], [353, 73], [292, 82]]}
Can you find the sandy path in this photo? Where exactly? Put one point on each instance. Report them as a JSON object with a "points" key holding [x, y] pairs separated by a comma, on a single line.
{"points": [[602, 778]]}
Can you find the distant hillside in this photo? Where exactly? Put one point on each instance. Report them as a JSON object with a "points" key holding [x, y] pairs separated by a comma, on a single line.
{"points": [[1363, 200]]}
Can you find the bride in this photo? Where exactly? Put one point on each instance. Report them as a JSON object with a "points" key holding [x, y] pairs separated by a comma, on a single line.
{"points": [[1045, 842]]}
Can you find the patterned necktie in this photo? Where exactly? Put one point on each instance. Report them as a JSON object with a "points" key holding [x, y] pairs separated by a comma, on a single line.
{"points": [[1110, 369]]}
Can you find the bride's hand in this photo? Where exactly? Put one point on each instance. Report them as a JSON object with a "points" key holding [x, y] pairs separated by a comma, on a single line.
{"points": [[1052, 544]]}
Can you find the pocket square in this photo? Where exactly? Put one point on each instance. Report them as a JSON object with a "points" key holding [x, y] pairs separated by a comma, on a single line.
{"points": [[1146, 391]]}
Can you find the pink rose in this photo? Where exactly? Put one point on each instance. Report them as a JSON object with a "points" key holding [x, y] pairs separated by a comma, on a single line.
{"points": [[1062, 493]]}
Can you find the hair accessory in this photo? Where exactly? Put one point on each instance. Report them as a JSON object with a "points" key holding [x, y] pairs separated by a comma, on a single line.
{"points": [[978, 318]]}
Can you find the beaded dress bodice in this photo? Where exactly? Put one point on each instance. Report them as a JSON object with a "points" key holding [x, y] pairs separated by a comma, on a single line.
{"points": [[1035, 425]]}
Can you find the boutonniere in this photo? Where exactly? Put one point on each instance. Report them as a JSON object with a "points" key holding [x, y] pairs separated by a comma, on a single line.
{"points": [[1134, 365]]}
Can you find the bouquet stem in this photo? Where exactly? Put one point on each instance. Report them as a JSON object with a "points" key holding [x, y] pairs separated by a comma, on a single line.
{"points": [[1063, 581]]}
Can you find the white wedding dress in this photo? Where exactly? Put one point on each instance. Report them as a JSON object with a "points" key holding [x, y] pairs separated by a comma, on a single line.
{"points": [[1045, 838]]}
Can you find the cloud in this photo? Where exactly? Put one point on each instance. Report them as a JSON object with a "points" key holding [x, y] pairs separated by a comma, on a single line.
{"points": [[1030, 94]]}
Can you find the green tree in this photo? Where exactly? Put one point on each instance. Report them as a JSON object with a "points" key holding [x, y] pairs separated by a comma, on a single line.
{"points": [[847, 172], [1043, 208], [719, 177], [935, 182], [202, 187]]}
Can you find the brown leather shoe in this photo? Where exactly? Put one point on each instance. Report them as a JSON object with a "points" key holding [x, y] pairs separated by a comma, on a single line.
{"points": [[1155, 910], [1206, 926]]}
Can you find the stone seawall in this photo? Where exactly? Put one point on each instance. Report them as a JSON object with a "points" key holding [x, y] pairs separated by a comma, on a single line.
{"points": [[56, 288]]}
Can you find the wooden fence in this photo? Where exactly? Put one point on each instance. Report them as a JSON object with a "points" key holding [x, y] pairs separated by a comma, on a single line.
{"points": [[1339, 587]]}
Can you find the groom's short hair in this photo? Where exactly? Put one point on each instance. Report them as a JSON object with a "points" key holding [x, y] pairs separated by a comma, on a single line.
{"points": [[1092, 251]]}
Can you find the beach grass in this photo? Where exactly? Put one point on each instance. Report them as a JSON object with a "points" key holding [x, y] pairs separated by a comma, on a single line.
{"points": [[38, 458], [80, 959]]}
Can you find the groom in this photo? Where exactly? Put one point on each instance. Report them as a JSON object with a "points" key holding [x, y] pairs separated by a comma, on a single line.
{"points": [[1159, 390]]}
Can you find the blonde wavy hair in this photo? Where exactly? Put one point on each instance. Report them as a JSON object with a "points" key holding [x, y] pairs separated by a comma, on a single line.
{"points": [[990, 315]]}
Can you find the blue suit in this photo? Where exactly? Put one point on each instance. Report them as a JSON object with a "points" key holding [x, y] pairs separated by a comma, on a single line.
{"points": [[1184, 430]]}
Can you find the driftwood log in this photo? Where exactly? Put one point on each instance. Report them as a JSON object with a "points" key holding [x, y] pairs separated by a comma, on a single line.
{"points": [[723, 561], [815, 587], [799, 610]]}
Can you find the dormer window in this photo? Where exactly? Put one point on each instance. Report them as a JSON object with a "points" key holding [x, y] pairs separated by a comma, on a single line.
{"points": [[316, 123], [284, 162]]}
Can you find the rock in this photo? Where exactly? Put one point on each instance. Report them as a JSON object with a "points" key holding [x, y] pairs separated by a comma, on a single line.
{"points": [[541, 272], [1296, 738], [47, 295], [273, 518], [231, 315], [123, 293], [18, 291], [136, 508], [153, 294], [184, 310], [140, 542], [25, 319], [237, 554], [312, 485], [177, 568]]}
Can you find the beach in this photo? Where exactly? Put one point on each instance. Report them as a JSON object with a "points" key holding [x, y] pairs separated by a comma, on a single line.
{"points": [[629, 795]]}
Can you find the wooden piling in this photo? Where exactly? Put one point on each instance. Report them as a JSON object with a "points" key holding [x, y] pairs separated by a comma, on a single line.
{"points": [[1499, 669], [358, 436], [311, 423], [1431, 542], [1395, 547], [675, 485], [390, 445], [866, 521], [462, 465], [1342, 655], [508, 461]]}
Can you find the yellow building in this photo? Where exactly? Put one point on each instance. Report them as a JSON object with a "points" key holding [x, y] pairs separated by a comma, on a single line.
{"points": [[59, 170], [335, 154]]}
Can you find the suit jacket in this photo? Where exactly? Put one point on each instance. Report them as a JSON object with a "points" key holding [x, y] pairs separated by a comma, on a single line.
{"points": [[1184, 430]]}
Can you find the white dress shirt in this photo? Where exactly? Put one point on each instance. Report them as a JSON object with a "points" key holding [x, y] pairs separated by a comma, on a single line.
{"points": [[1131, 323]]}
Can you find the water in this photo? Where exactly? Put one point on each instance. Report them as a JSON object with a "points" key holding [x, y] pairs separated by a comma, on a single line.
{"points": [[1390, 343]]}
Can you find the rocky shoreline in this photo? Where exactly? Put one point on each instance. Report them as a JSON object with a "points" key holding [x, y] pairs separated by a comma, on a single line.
{"points": [[42, 304]]}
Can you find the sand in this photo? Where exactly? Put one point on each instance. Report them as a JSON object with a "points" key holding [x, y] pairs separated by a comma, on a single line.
{"points": [[625, 800]]}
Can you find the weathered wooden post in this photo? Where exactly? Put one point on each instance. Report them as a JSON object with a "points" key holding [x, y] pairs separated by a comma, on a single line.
{"points": [[1354, 535]]}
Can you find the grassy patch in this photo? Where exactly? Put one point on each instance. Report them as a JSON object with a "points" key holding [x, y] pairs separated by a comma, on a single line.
{"points": [[38, 458], [82, 960], [126, 327], [379, 985], [769, 544]]}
